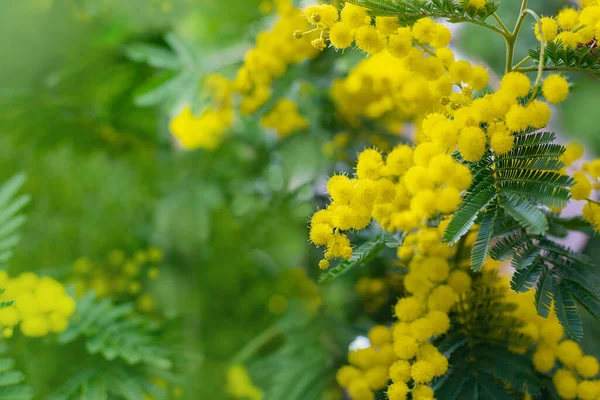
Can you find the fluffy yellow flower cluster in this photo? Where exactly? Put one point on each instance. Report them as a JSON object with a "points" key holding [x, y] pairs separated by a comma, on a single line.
{"points": [[284, 119], [389, 358], [575, 375], [273, 54], [403, 353], [382, 87], [586, 180], [572, 27], [119, 277], [591, 210], [208, 129], [401, 192], [240, 385], [356, 27], [431, 277], [582, 189], [406, 77], [41, 305], [490, 120]]}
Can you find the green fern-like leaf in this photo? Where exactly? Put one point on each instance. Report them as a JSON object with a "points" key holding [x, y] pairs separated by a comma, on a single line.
{"points": [[566, 311], [558, 251], [360, 255], [521, 185], [586, 299], [526, 214], [511, 368], [115, 331], [481, 365], [466, 215], [11, 380], [10, 218], [560, 57], [521, 182], [524, 279], [506, 247], [543, 264], [303, 348], [543, 187], [108, 381], [482, 243], [452, 383], [73, 384], [524, 255], [544, 294], [561, 225], [490, 388], [409, 11]]}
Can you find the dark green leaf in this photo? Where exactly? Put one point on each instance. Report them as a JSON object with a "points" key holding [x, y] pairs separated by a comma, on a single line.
{"points": [[524, 279], [464, 218], [587, 300], [490, 388], [482, 243], [526, 214], [566, 311], [525, 255], [559, 56], [544, 293], [504, 248]]}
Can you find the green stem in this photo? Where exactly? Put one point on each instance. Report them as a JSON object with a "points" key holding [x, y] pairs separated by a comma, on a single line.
{"points": [[256, 344], [426, 50], [485, 25], [556, 68], [512, 38], [499, 21], [540, 71], [510, 51], [520, 63]]}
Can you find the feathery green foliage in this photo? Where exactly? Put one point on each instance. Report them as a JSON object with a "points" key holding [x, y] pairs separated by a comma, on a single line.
{"points": [[10, 218], [105, 382], [11, 380], [556, 273], [361, 255], [115, 331], [514, 186], [481, 366], [305, 347], [559, 57], [183, 66], [410, 11]]}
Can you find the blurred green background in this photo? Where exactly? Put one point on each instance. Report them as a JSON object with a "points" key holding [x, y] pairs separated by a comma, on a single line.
{"points": [[104, 174]]}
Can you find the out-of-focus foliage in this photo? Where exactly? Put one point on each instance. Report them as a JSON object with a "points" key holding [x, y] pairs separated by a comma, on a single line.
{"points": [[104, 176]]}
